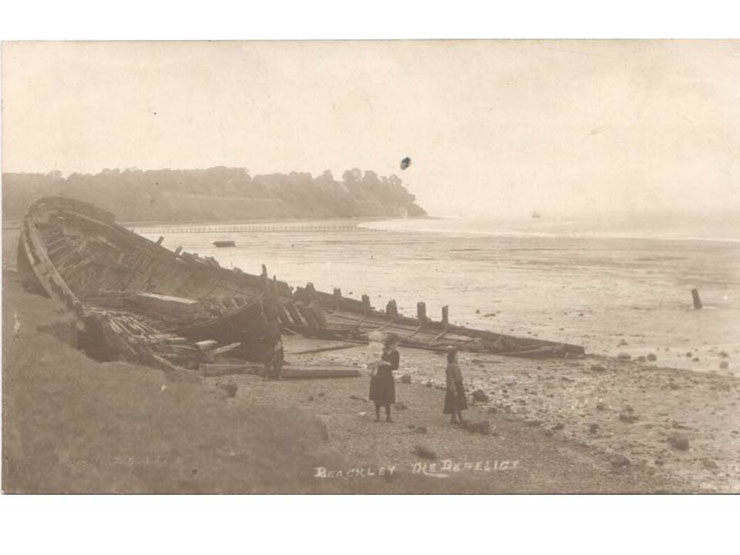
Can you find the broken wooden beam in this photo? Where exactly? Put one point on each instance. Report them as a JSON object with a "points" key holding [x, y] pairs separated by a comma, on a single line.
{"points": [[288, 372], [309, 372], [324, 349], [223, 350], [211, 369], [206, 345]]}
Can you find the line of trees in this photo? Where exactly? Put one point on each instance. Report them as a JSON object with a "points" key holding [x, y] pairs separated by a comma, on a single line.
{"points": [[217, 194]]}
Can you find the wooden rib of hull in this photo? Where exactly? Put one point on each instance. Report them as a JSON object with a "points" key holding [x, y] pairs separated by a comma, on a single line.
{"points": [[91, 267]]}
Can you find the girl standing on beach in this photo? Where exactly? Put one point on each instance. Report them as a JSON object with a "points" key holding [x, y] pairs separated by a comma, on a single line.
{"points": [[382, 386], [455, 401]]}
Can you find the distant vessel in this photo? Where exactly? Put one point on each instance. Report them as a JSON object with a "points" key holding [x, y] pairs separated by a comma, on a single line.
{"points": [[224, 243], [535, 215]]}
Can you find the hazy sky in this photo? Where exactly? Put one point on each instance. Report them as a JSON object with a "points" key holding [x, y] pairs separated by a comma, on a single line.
{"points": [[493, 127]]}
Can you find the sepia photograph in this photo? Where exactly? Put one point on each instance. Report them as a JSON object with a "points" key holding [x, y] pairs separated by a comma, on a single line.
{"points": [[371, 267]]}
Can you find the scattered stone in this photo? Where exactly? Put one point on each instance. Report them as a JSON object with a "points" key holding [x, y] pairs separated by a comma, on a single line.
{"points": [[723, 354], [405, 378], [558, 426], [641, 358], [480, 396], [533, 423], [709, 464], [724, 365], [696, 359], [619, 461], [678, 441], [424, 452], [673, 386], [627, 417], [492, 410], [593, 428], [310, 397], [322, 429], [483, 427], [356, 398], [400, 406], [622, 343], [600, 406], [624, 356], [652, 357], [322, 394], [598, 368], [659, 462], [421, 430], [689, 354], [428, 383], [362, 414], [229, 388]]}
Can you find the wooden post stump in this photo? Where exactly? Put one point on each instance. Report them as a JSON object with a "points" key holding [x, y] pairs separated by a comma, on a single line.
{"points": [[421, 312], [697, 299]]}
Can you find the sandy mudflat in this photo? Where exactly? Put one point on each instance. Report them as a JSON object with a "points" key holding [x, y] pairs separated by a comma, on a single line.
{"points": [[72, 424], [609, 295]]}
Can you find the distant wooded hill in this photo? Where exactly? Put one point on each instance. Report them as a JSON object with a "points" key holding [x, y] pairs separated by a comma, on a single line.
{"points": [[216, 194]]}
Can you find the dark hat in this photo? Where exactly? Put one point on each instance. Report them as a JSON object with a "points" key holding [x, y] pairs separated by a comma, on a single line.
{"points": [[391, 339]]}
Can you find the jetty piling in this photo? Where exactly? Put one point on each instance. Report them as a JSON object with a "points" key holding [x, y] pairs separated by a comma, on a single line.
{"points": [[421, 312], [391, 309], [696, 298]]}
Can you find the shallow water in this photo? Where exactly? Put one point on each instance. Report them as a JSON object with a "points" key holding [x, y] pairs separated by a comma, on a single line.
{"points": [[601, 292]]}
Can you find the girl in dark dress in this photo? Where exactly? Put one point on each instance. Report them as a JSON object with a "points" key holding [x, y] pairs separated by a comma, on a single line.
{"points": [[382, 386], [455, 401]]}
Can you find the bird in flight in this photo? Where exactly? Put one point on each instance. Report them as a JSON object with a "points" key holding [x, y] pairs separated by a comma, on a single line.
{"points": [[405, 163]]}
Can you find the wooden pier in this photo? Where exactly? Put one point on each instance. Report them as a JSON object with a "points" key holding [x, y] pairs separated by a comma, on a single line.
{"points": [[289, 227]]}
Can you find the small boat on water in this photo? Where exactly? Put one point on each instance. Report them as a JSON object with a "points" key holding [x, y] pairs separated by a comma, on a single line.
{"points": [[222, 244], [135, 299]]}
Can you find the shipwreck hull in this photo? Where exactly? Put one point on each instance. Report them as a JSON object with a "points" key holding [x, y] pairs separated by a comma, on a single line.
{"points": [[138, 296], [131, 298], [322, 315]]}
